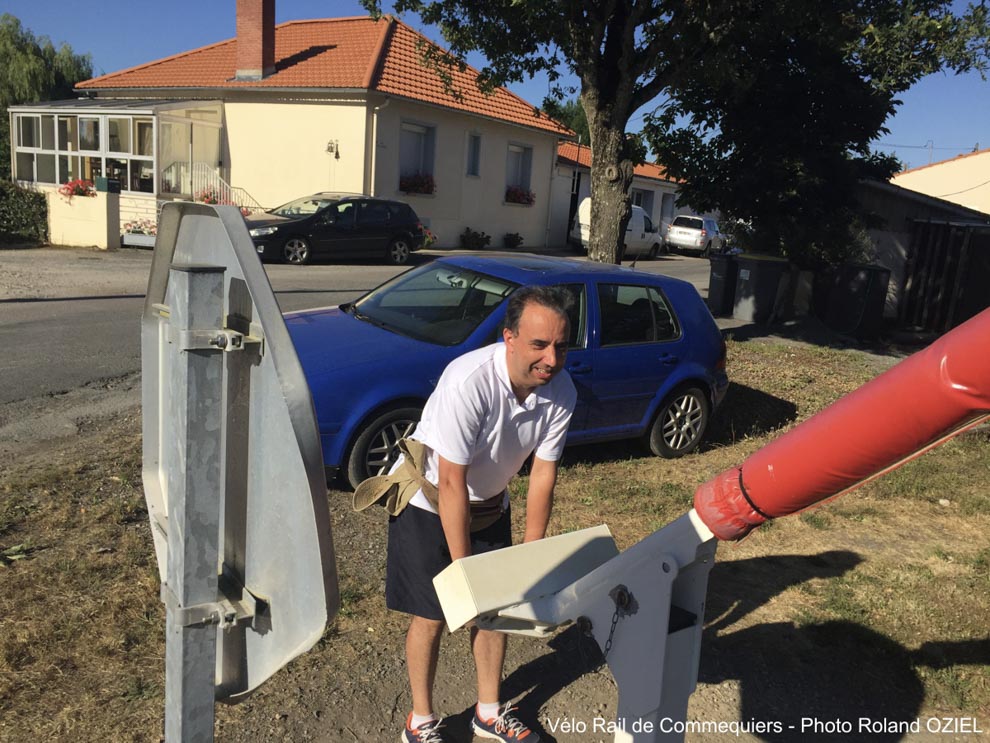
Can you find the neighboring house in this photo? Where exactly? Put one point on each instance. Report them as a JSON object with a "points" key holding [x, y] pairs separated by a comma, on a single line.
{"points": [[963, 180], [283, 111], [938, 254], [651, 189]]}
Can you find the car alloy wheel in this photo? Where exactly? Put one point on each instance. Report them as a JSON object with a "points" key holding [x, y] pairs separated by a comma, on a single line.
{"points": [[375, 449], [398, 252], [680, 423], [296, 251]]}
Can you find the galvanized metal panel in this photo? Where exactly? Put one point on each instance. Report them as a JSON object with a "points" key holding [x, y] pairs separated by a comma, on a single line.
{"points": [[275, 537]]}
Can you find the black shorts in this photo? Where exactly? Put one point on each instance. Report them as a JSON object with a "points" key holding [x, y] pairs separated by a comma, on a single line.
{"points": [[417, 551]]}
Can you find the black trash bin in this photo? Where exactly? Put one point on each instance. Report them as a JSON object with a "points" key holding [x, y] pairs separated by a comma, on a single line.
{"points": [[856, 300], [722, 284], [757, 282]]}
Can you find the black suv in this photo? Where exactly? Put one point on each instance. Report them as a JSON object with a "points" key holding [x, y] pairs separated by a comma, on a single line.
{"points": [[334, 225]]}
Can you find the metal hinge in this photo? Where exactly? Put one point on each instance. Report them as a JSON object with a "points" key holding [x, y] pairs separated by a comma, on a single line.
{"points": [[236, 605]]}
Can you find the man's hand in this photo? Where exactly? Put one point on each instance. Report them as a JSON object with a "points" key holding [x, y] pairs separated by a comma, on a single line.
{"points": [[455, 515], [539, 500]]}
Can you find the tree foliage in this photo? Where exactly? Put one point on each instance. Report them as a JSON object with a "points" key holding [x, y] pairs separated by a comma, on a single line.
{"points": [[624, 52], [779, 128], [33, 69], [570, 114], [789, 92]]}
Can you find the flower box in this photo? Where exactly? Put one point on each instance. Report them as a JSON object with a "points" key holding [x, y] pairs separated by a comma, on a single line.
{"points": [[519, 195], [417, 183], [138, 241]]}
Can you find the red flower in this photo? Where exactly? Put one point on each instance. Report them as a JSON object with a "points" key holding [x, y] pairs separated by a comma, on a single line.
{"points": [[77, 187], [417, 183], [519, 195]]}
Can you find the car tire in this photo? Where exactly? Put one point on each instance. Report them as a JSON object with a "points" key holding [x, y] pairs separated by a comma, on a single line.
{"points": [[655, 250], [706, 251], [680, 423], [398, 252], [374, 450], [296, 251]]}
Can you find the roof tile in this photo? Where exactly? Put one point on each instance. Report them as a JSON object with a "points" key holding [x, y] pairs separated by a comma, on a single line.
{"points": [[335, 53], [570, 153]]}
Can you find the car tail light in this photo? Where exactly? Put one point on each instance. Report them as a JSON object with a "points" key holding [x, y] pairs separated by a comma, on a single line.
{"points": [[720, 364], [704, 232]]}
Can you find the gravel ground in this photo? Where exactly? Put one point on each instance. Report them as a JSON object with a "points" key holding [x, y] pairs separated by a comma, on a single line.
{"points": [[352, 687]]}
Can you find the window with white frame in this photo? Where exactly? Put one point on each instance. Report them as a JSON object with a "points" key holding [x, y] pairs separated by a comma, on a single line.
{"points": [[56, 148], [518, 170], [416, 153], [474, 154], [518, 166]]}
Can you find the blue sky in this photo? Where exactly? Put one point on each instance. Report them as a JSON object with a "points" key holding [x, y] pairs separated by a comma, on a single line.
{"points": [[949, 113]]}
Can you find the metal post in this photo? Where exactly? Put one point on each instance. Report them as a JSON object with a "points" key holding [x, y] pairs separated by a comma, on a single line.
{"points": [[195, 379]]}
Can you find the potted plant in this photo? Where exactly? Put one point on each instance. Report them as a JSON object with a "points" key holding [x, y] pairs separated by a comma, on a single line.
{"points": [[429, 237], [519, 195], [417, 183], [511, 240], [140, 232], [471, 240], [209, 195], [77, 187]]}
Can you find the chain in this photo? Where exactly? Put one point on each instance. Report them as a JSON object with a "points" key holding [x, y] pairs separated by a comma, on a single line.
{"points": [[608, 642], [623, 603]]}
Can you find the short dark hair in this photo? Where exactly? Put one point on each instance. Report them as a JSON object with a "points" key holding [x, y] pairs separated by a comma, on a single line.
{"points": [[552, 297]]}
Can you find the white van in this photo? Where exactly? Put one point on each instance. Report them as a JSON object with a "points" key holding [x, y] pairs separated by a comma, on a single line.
{"points": [[642, 237]]}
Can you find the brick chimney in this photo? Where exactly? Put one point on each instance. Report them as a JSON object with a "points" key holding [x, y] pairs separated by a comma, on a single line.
{"points": [[255, 39]]}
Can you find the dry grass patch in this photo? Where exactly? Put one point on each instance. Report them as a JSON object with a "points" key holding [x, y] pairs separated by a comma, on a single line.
{"points": [[81, 651], [881, 595]]}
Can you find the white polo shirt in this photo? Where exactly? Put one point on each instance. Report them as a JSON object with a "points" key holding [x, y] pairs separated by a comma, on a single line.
{"points": [[474, 418]]}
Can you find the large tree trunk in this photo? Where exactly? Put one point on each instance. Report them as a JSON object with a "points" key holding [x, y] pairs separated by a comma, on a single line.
{"points": [[611, 177]]}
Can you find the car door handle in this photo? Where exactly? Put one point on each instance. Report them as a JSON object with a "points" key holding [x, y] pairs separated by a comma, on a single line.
{"points": [[666, 358], [579, 369]]}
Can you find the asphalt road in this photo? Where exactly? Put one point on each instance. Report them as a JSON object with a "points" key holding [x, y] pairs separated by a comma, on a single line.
{"points": [[71, 328]]}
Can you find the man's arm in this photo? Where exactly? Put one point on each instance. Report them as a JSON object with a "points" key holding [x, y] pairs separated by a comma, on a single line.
{"points": [[539, 500], [454, 508]]}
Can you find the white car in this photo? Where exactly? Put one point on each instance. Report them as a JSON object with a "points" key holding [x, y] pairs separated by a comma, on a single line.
{"points": [[695, 233], [642, 237]]}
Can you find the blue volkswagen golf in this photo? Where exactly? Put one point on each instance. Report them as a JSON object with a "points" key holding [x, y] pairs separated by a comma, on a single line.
{"points": [[645, 354]]}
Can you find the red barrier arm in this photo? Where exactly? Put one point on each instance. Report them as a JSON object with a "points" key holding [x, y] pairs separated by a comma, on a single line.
{"points": [[918, 404]]}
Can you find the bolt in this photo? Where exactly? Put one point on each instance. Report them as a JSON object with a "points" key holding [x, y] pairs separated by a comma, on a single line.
{"points": [[622, 597], [220, 342], [584, 625]]}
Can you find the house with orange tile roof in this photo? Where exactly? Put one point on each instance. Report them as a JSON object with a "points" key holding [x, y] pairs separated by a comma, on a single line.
{"points": [[651, 189], [282, 111], [963, 180]]}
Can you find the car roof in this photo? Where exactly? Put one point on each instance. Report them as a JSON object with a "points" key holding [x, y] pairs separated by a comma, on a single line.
{"points": [[339, 195], [527, 268]]}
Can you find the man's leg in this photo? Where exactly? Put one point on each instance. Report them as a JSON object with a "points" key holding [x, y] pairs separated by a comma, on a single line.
{"points": [[422, 651], [489, 656]]}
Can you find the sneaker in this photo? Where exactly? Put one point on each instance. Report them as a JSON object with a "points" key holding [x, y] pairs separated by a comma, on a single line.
{"points": [[428, 732], [505, 727]]}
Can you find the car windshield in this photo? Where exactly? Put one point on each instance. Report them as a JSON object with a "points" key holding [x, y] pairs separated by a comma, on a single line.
{"points": [[438, 303], [303, 207], [692, 222]]}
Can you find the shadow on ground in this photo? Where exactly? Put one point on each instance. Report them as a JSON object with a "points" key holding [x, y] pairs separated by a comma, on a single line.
{"points": [[812, 330], [572, 656], [745, 412], [837, 670]]}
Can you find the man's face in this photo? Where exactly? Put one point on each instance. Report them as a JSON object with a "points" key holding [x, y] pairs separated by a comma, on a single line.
{"points": [[537, 352]]}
